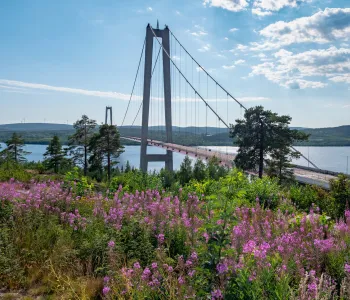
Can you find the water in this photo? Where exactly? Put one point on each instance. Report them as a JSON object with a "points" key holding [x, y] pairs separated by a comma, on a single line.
{"points": [[327, 158]]}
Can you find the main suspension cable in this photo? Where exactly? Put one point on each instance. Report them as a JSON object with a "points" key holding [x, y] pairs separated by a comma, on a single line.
{"points": [[133, 88], [151, 79], [166, 52], [211, 77]]}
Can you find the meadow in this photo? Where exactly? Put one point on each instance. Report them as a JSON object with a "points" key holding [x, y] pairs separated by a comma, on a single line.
{"points": [[147, 236]]}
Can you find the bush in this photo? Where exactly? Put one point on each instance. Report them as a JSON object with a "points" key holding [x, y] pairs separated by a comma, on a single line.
{"points": [[266, 190]]}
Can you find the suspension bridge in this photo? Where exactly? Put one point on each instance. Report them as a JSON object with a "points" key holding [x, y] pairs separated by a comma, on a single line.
{"points": [[173, 88]]}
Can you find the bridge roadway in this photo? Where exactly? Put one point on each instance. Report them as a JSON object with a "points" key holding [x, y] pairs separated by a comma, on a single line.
{"points": [[301, 175]]}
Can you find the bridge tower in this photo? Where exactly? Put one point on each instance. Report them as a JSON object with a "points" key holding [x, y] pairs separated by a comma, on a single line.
{"points": [[109, 108], [168, 157]]}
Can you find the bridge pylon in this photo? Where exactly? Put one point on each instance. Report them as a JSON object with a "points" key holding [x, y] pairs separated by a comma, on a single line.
{"points": [[109, 109], [168, 157]]}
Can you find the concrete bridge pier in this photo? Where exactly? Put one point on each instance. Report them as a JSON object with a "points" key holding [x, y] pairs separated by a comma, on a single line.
{"points": [[168, 157]]}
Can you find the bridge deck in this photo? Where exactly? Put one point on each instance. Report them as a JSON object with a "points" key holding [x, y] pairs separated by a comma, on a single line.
{"points": [[301, 175]]}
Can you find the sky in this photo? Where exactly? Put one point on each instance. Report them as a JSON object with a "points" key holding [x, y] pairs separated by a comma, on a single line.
{"points": [[62, 59]]}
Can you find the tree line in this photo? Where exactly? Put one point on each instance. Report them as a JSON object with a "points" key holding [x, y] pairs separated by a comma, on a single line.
{"points": [[264, 138], [95, 152]]}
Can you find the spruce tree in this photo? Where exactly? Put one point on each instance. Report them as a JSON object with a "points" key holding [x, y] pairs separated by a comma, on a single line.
{"points": [[79, 141], [105, 147], [262, 133], [54, 154], [14, 150]]}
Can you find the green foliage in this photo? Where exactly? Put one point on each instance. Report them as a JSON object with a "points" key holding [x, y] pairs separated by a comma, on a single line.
{"points": [[127, 167], [135, 181], [79, 141], [264, 133], [185, 173], [199, 170], [340, 191], [303, 196], [105, 148], [78, 184], [266, 190], [215, 171], [54, 155], [167, 178], [14, 151], [10, 170]]}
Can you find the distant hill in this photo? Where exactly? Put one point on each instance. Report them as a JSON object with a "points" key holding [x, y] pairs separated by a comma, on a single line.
{"points": [[35, 127], [331, 136], [41, 133]]}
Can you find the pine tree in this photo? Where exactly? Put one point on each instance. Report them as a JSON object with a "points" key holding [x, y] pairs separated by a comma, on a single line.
{"points": [[185, 172], [105, 148], [262, 133], [79, 141], [199, 170], [14, 150], [127, 167], [54, 154]]}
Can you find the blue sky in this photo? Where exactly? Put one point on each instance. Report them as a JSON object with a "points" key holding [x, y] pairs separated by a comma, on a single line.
{"points": [[62, 59]]}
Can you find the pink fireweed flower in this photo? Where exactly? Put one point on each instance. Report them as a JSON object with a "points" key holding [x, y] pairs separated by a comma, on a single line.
{"points": [[220, 222], [194, 256], [106, 279], [324, 245], [249, 247], [111, 244], [154, 265], [106, 290], [206, 236], [146, 273], [216, 294], [312, 288], [347, 268], [181, 280], [222, 268], [170, 269], [160, 238], [191, 273], [137, 265]]}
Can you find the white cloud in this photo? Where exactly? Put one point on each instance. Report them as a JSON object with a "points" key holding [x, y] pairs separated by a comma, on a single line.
{"points": [[149, 8], [233, 30], [205, 48], [226, 38], [341, 78], [260, 13], [221, 56], [290, 70], [231, 67], [266, 7], [239, 47], [332, 24], [178, 13], [231, 5], [199, 32], [175, 57], [253, 99], [36, 86], [239, 62]]}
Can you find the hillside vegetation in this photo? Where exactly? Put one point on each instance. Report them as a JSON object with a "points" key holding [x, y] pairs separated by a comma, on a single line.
{"points": [[41, 133]]}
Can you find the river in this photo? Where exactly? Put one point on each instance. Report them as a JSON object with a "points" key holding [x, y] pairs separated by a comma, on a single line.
{"points": [[327, 158]]}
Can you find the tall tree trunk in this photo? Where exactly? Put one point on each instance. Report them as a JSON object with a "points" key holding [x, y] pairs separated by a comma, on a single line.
{"points": [[85, 151], [15, 153], [108, 158], [261, 154], [85, 160]]}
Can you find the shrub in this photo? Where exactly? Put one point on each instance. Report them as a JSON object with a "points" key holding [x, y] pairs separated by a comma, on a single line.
{"points": [[266, 190]]}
